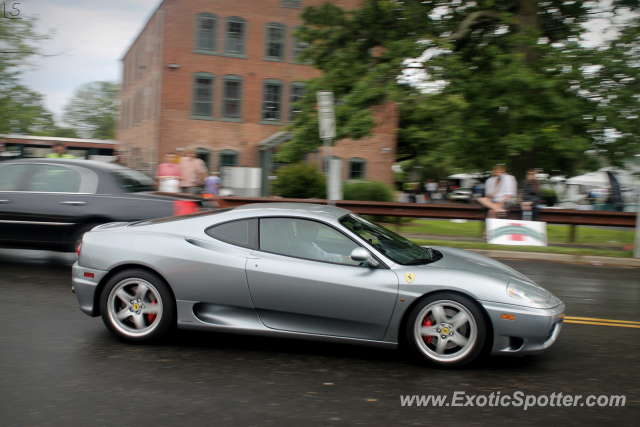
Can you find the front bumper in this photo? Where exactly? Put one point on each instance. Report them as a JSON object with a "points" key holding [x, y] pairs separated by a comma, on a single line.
{"points": [[85, 287], [531, 331]]}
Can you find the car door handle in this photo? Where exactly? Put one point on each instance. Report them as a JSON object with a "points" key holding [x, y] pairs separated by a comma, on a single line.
{"points": [[3, 201], [73, 203]]}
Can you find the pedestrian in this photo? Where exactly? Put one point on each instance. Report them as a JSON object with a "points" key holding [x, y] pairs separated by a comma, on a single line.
{"points": [[530, 196], [212, 184], [193, 172], [59, 152], [169, 174], [431, 188], [501, 191]]}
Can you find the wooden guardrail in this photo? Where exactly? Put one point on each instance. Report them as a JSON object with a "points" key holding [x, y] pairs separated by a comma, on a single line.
{"points": [[452, 211]]}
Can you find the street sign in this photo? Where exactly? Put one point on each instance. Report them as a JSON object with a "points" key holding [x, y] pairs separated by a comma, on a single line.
{"points": [[326, 115]]}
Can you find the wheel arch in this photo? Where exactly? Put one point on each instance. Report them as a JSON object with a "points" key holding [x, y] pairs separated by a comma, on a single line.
{"points": [[123, 267], [405, 316]]}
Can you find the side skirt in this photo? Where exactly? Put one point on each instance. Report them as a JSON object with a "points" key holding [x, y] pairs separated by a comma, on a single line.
{"points": [[194, 315]]}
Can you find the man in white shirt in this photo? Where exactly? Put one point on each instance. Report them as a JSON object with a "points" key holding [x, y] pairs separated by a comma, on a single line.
{"points": [[500, 193]]}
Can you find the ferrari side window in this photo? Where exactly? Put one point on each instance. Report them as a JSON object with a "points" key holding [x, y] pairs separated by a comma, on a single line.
{"points": [[302, 238], [236, 233]]}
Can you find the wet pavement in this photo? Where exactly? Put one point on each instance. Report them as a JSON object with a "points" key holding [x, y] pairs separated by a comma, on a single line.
{"points": [[60, 367]]}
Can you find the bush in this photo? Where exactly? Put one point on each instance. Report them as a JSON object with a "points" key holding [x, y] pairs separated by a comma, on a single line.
{"points": [[549, 196], [373, 191], [299, 181]]}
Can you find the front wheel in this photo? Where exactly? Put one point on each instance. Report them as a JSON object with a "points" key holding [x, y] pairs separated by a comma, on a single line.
{"points": [[446, 329], [136, 306]]}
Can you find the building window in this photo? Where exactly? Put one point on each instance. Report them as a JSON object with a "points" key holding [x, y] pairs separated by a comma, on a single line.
{"points": [[297, 91], [275, 41], [235, 35], [298, 47], [203, 95], [272, 100], [206, 32], [291, 3], [232, 97], [228, 158], [357, 168]]}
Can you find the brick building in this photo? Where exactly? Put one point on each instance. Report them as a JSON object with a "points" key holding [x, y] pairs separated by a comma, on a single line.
{"points": [[220, 76]]}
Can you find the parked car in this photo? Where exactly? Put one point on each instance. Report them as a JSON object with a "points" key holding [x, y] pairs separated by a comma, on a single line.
{"points": [[316, 272], [461, 195], [50, 203]]}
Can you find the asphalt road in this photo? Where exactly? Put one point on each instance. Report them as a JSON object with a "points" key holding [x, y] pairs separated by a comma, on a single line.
{"points": [[60, 367]]}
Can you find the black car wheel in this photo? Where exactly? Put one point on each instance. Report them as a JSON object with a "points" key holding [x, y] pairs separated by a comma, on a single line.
{"points": [[137, 306], [446, 329]]}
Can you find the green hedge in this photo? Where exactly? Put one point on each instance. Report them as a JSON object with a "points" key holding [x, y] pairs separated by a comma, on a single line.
{"points": [[299, 181], [373, 191]]}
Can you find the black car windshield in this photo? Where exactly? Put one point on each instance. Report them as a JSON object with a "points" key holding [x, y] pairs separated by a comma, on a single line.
{"points": [[132, 181], [394, 246]]}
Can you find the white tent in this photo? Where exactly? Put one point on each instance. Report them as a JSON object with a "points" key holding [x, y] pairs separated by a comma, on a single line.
{"points": [[600, 178]]}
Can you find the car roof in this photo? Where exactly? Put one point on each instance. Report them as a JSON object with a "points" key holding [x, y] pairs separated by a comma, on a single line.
{"points": [[89, 164], [295, 209]]}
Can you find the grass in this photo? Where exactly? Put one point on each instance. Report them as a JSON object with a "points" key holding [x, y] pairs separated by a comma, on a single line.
{"points": [[540, 249], [555, 233]]}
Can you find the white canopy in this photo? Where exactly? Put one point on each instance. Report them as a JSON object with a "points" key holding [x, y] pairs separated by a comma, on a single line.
{"points": [[601, 178]]}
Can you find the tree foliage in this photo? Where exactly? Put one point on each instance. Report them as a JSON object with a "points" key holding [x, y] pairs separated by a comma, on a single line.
{"points": [[507, 76], [92, 110], [21, 110]]}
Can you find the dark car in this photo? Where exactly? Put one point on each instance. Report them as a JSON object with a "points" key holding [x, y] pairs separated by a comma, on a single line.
{"points": [[50, 203]]}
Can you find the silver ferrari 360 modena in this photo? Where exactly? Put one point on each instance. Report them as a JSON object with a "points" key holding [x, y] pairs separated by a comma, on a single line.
{"points": [[312, 272]]}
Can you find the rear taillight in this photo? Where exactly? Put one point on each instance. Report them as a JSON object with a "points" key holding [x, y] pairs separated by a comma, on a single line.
{"points": [[183, 207], [79, 247]]}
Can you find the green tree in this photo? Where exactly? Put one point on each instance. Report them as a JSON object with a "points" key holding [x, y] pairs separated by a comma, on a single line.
{"points": [[299, 181], [92, 110], [508, 76], [21, 110]]}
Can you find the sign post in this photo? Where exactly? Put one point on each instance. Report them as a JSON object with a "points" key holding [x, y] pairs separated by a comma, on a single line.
{"points": [[326, 114]]}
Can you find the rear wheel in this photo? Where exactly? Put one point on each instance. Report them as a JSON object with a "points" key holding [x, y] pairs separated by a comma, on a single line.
{"points": [[446, 329], [137, 306]]}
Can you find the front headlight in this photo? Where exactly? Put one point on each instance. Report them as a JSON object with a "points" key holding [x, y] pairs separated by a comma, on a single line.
{"points": [[529, 294]]}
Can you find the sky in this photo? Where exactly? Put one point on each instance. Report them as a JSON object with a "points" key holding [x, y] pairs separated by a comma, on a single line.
{"points": [[89, 37]]}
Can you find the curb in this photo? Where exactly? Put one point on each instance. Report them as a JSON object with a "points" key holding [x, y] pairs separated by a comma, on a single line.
{"points": [[573, 259]]}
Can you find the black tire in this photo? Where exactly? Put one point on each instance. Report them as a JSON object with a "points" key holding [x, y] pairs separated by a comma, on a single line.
{"points": [[449, 352], [137, 323], [78, 234]]}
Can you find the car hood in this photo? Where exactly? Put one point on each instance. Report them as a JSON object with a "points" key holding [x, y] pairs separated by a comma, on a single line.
{"points": [[469, 261]]}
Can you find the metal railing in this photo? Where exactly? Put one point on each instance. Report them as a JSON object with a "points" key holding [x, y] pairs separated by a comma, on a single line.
{"points": [[453, 211]]}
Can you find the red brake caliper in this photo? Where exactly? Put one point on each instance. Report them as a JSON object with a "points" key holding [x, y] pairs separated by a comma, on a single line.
{"points": [[427, 322], [152, 317]]}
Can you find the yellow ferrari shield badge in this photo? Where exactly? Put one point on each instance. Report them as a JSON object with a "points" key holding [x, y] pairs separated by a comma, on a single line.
{"points": [[136, 307], [409, 277]]}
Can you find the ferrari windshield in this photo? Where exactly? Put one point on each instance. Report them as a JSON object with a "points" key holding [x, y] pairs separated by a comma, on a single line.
{"points": [[394, 246]]}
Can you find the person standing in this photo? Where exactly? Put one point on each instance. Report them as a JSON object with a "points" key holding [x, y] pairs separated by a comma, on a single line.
{"points": [[530, 196], [500, 192], [59, 152], [432, 187], [212, 184], [193, 172], [169, 174]]}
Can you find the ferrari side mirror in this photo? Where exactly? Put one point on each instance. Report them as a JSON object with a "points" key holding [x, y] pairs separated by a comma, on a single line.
{"points": [[363, 255]]}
